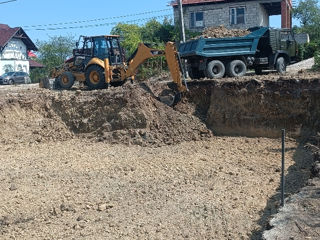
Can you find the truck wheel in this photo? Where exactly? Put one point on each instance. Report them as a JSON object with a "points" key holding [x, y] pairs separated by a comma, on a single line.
{"points": [[65, 80], [281, 65], [236, 68], [215, 69], [194, 73], [95, 77]]}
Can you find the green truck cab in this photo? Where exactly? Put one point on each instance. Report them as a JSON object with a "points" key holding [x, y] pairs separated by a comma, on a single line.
{"points": [[262, 49]]}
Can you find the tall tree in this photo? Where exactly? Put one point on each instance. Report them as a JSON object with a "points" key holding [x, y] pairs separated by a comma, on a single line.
{"points": [[52, 53], [150, 32], [130, 36], [56, 50], [308, 13]]}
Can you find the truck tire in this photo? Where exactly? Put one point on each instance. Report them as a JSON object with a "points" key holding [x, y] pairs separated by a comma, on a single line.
{"points": [[95, 77], [65, 80], [281, 65], [236, 68], [215, 69], [194, 73]]}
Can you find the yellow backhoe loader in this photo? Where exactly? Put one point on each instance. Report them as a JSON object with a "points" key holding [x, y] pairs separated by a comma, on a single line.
{"points": [[99, 61]]}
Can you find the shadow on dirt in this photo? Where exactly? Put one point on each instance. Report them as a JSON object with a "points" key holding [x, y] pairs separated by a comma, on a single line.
{"points": [[296, 178]]}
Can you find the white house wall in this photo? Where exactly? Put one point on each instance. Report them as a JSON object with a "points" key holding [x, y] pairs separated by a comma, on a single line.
{"points": [[14, 65], [14, 57], [15, 49]]}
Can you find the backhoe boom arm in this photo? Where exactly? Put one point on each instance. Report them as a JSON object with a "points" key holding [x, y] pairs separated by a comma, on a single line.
{"points": [[143, 53]]}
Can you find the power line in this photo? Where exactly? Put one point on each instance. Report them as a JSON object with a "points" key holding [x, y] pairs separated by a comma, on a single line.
{"points": [[9, 1], [96, 25], [95, 20]]}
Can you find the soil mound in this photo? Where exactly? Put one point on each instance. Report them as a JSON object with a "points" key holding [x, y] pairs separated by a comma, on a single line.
{"points": [[26, 118], [129, 114]]}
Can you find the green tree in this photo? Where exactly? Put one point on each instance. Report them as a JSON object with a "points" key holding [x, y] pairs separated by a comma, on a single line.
{"points": [[308, 13], [52, 53], [150, 32], [130, 36], [168, 32]]}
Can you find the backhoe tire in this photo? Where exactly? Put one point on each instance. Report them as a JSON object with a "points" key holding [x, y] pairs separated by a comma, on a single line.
{"points": [[95, 78], [215, 69], [236, 68], [65, 80], [281, 65]]}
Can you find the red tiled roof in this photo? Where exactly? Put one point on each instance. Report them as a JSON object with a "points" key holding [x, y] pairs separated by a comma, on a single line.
{"points": [[6, 33], [34, 64], [187, 2]]}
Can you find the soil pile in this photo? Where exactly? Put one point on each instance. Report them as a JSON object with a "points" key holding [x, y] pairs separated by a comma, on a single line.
{"points": [[223, 32], [128, 115], [26, 118]]}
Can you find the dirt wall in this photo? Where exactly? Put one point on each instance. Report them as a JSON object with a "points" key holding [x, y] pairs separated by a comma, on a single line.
{"points": [[257, 108]]}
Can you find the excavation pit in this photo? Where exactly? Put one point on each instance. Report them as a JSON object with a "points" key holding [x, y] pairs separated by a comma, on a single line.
{"points": [[119, 163]]}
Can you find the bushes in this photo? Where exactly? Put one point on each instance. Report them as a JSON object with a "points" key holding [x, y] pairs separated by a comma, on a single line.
{"points": [[308, 50], [152, 67], [311, 48]]}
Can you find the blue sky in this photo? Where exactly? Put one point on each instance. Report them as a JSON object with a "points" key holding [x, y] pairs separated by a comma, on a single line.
{"points": [[24, 13]]}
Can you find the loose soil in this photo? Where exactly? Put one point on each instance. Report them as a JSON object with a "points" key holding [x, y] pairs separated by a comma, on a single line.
{"points": [[79, 189], [223, 32], [120, 164]]}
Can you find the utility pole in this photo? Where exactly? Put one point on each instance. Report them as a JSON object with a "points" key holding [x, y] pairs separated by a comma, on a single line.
{"points": [[182, 22], [185, 75]]}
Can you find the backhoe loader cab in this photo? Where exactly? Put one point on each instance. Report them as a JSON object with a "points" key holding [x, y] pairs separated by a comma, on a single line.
{"points": [[101, 47]]}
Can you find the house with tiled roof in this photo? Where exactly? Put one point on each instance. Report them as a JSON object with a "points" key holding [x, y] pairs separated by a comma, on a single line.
{"points": [[14, 47], [241, 14]]}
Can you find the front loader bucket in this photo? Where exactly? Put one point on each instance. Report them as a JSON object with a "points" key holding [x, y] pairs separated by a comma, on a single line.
{"points": [[47, 83]]}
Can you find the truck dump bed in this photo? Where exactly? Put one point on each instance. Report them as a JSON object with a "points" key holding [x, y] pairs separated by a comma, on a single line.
{"points": [[219, 47]]}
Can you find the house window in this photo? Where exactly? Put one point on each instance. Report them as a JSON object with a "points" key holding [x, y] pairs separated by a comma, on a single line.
{"points": [[196, 19], [237, 15]]}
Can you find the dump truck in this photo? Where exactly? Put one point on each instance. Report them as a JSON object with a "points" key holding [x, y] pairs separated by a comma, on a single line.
{"points": [[264, 48], [99, 61]]}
